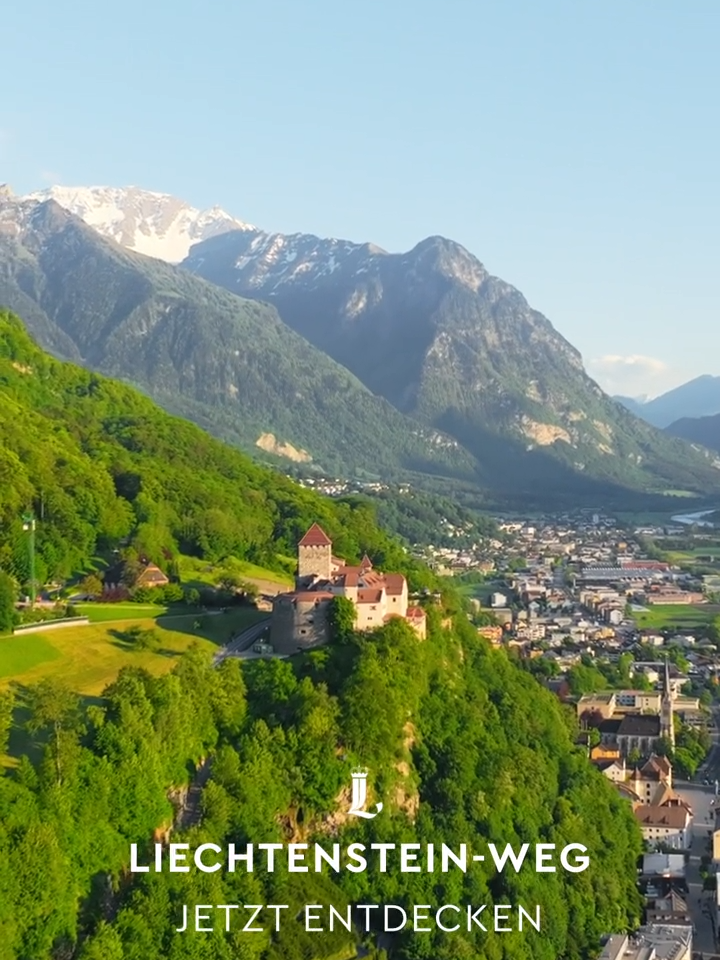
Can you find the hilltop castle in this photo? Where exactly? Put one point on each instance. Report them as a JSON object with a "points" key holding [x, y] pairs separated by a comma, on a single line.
{"points": [[300, 618]]}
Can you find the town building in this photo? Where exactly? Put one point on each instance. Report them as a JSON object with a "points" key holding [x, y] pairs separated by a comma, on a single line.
{"points": [[667, 825], [651, 942]]}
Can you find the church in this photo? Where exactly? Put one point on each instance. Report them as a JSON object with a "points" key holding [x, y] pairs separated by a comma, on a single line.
{"points": [[300, 617], [642, 733]]}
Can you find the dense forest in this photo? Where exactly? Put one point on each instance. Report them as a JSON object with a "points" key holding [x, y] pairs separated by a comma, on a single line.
{"points": [[462, 745], [100, 464]]}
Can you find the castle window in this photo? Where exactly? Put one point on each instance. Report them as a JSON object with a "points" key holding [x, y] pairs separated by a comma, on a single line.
{"points": [[303, 631]]}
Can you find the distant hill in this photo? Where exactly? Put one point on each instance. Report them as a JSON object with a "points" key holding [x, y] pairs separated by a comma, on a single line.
{"points": [[704, 430], [697, 398]]}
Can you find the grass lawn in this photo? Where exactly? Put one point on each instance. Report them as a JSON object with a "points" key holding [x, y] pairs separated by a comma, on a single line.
{"points": [[102, 612], [481, 591], [199, 573], [676, 615], [88, 658]]}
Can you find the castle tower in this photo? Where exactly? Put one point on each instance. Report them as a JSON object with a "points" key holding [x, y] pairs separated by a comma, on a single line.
{"points": [[314, 556], [667, 728]]}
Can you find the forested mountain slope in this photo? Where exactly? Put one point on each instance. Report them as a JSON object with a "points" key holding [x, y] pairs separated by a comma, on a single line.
{"points": [[229, 364], [704, 430], [101, 462]]}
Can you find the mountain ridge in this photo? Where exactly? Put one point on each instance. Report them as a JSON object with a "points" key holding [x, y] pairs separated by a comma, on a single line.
{"points": [[493, 393], [699, 397], [704, 430], [228, 364], [144, 221], [447, 343]]}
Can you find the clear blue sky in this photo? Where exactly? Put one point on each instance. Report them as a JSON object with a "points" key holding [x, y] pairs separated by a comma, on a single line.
{"points": [[572, 146]]}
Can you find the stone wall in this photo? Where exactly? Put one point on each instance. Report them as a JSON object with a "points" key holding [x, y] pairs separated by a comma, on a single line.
{"points": [[298, 624]]}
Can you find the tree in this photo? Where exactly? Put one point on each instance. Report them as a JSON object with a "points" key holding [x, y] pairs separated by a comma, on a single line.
{"points": [[55, 708], [342, 620], [7, 702], [91, 585], [8, 598], [229, 581]]}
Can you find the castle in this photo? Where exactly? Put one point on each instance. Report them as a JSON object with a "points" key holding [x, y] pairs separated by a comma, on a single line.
{"points": [[300, 618]]}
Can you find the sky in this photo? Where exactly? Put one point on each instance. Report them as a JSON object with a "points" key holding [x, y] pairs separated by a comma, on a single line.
{"points": [[572, 146]]}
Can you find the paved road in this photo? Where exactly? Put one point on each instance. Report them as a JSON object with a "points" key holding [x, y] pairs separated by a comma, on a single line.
{"points": [[701, 903], [701, 798], [241, 643]]}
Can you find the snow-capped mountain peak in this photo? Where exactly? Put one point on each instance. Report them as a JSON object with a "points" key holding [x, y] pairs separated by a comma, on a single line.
{"points": [[156, 224]]}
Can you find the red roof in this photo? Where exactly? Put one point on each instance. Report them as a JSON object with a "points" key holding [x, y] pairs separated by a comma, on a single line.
{"points": [[416, 613], [315, 537], [369, 596]]}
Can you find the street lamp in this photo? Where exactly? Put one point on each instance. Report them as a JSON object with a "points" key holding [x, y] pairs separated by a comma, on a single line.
{"points": [[29, 526]]}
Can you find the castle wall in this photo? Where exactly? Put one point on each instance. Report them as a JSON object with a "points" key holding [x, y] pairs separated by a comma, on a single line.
{"points": [[298, 624]]}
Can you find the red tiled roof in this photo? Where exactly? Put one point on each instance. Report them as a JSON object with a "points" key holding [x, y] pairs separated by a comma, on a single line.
{"points": [[673, 817], [347, 579], [369, 596], [395, 583], [366, 562], [416, 613], [315, 537]]}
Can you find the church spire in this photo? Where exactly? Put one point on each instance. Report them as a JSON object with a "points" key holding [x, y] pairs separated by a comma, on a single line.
{"points": [[667, 727]]}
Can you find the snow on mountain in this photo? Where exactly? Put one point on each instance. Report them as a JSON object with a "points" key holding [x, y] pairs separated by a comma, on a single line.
{"points": [[156, 224]]}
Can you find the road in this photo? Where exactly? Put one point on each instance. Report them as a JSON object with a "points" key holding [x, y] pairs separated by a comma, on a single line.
{"points": [[701, 798], [241, 643]]}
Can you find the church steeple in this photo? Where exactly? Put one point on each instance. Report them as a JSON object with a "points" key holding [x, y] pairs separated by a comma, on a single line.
{"points": [[667, 728]]}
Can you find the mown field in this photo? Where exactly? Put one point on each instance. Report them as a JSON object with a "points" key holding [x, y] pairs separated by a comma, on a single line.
{"points": [[87, 658], [669, 616]]}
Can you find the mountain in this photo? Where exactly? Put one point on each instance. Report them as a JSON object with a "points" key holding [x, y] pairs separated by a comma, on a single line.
{"points": [[155, 224], [229, 364], [633, 404], [460, 350], [697, 398], [475, 384], [703, 430]]}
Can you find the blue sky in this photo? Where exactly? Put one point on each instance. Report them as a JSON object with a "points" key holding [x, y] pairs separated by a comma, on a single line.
{"points": [[572, 146]]}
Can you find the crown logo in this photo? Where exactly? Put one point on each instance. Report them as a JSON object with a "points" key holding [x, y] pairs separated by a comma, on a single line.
{"points": [[359, 796]]}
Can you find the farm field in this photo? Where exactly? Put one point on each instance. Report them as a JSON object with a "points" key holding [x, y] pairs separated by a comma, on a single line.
{"points": [[664, 616], [87, 658]]}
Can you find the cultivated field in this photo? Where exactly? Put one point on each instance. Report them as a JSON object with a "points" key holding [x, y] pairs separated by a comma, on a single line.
{"points": [[88, 658], [669, 616]]}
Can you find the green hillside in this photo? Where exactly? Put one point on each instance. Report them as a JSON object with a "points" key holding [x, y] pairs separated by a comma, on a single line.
{"points": [[463, 747], [100, 464]]}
